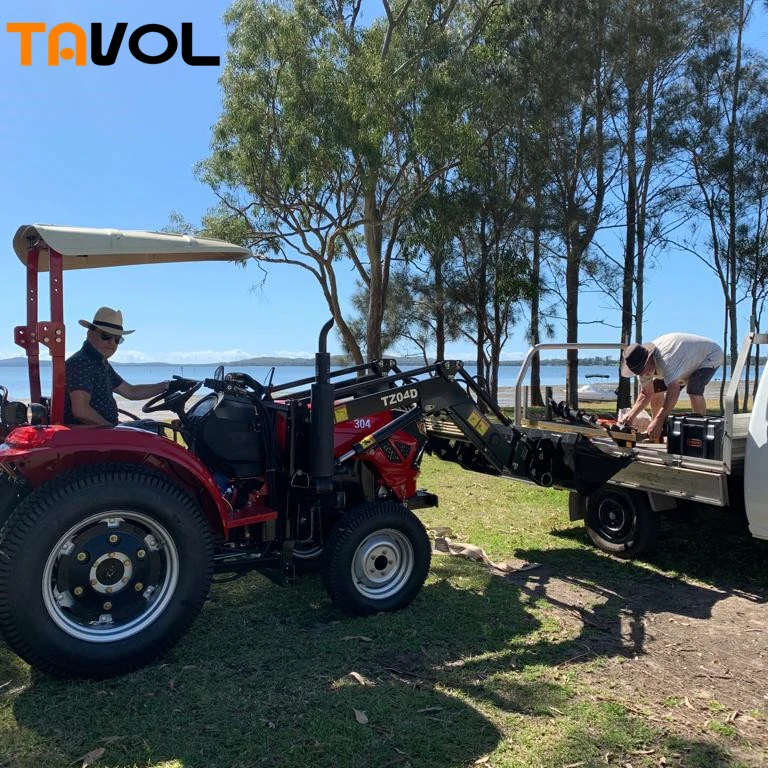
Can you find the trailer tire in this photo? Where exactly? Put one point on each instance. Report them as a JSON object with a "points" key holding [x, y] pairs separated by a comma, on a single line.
{"points": [[102, 570], [621, 522], [376, 559]]}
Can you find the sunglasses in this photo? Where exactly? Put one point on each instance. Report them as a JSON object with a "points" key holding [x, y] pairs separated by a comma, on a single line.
{"points": [[110, 337]]}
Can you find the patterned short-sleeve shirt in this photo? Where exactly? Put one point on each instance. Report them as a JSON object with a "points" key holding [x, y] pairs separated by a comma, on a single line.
{"points": [[88, 371]]}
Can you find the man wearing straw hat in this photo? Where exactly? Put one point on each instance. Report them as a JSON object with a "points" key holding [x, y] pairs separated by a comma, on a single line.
{"points": [[664, 367], [91, 381]]}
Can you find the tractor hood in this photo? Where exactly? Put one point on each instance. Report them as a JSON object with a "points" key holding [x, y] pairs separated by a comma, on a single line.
{"points": [[85, 247]]}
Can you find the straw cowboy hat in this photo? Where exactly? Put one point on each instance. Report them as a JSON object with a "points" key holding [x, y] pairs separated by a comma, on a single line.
{"points": [[635, 358], [107, 320]]}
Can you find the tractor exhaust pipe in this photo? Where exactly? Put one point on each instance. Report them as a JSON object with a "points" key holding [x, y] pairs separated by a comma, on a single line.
{"points": [[321, 443]]}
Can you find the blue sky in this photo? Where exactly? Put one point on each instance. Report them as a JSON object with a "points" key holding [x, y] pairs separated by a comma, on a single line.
{"points": [[115, 147]]}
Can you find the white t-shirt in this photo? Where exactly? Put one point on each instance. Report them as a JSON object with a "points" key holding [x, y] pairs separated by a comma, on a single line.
{"points": [[678, 355]]}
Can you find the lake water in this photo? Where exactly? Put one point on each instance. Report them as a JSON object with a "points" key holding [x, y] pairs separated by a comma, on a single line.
{"points": [[15, 378]]}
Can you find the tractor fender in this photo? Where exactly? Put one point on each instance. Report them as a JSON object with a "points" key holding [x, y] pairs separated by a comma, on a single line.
{"points": [[37, 454]]}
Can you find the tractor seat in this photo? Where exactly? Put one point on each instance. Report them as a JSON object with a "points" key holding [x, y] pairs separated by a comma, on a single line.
{"points": [[40, 413]]}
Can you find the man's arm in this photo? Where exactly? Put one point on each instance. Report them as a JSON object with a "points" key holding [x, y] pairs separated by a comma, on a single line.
{"points": [[670, 400], [82, 410], [140, 391], [642, 401]]}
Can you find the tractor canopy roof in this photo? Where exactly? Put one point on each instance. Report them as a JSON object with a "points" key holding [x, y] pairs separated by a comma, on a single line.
{"points": [[86, 247]]}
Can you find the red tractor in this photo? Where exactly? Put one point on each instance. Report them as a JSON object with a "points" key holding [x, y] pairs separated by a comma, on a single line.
{"points": [[109, 537]]}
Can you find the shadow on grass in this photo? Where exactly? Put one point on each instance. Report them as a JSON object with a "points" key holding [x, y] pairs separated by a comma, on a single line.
{"points": [[707, 544], [264, 678]]}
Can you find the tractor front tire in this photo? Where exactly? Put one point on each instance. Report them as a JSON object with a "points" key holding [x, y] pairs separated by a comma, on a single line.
{"points": [[621, 522], [102, 570], [376, 559]]}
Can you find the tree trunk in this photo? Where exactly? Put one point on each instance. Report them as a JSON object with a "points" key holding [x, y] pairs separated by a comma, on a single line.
{"points": [[439, 310], [572, 322], [536, 398], [629, 248], [732, 256], [372, 229]]}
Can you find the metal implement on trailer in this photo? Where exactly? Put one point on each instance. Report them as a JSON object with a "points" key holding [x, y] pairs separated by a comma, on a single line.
{"points": [[663, 475]]}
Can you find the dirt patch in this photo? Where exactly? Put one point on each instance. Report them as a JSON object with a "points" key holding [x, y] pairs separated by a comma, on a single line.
{"points": [[689, 657]]}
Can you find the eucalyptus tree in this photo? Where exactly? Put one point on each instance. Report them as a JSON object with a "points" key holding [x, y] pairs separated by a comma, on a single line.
{"points": [[580, 140], [428, 250], [659, 37], [318, 154], [752, 233], [724, 95]]}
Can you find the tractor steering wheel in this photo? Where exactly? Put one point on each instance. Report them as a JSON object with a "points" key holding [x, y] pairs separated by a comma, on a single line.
{"points": [[172, 401]]}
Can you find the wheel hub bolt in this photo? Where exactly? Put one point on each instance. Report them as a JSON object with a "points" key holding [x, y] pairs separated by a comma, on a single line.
{"points": [[114, 538], [141, 554], [107, 606], [139, 586], [78, 591], [82, 557]]}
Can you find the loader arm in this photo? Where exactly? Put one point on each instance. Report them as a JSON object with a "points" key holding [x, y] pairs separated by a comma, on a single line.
{"points": [[489, 445]]}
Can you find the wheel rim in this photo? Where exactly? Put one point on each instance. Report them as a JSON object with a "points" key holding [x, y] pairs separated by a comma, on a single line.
{"points": [[616, 519], [382, 564], [110, 576]]}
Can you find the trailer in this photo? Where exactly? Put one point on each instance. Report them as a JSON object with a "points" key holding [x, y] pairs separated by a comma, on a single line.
{"points": [[718, 462]]}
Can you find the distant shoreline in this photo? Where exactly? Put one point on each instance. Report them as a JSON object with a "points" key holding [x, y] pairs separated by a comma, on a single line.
{"points": [[310, 362]]}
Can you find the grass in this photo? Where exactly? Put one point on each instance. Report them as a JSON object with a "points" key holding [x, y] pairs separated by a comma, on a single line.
{"points": [[479, 670]]}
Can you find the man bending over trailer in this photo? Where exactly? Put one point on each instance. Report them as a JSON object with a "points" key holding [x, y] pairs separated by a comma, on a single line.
{"points": [[91, 380], [664, 367]]}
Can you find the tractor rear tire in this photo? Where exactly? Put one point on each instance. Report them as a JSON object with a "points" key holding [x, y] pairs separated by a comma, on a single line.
{"points": [[10, 495], [621, 522], [376, 559], [103, 569]]}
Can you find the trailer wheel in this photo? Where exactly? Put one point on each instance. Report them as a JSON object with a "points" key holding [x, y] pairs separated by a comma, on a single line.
{"points": [[102, 571], [621, 522], [377, 558]]}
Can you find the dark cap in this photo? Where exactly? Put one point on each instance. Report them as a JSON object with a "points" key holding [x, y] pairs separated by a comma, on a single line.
{"points": [[635, 357]]}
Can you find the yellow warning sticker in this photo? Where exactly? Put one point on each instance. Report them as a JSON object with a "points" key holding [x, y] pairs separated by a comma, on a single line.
{"points": [[478, 422], [340, 413], [367, 441]]}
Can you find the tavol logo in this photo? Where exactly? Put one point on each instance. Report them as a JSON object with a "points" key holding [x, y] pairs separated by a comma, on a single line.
{"points": [[105, 58]]}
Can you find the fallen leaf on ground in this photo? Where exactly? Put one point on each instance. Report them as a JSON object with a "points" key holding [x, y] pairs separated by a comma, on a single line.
{"points": [[361, 717], [642, 751], [428, 710], [574, 765], [360, 679], [363, 638], [89, 758]]}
